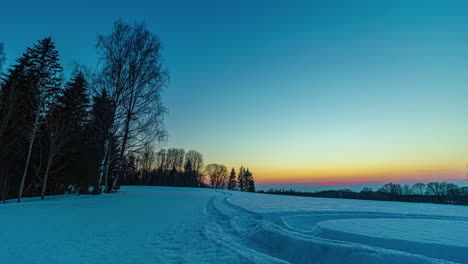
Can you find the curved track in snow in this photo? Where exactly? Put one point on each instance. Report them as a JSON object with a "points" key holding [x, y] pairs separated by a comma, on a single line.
{"points": [[147, 225], [323, 236]]}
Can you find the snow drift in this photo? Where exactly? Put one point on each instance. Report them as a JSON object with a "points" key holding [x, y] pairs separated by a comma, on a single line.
{"points": [[187, 225]]}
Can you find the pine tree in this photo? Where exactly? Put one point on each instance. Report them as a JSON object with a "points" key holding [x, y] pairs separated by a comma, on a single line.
{"points": [[41, 69], [232, 180], [15, 116], [75, 106], [241, 179], [250, 183], [75, 103], [188, 174]]}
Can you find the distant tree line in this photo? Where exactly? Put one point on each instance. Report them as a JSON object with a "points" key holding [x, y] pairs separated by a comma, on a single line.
{"points": [[171, 167], [78, 135], [176, 167], [220, 178], [433, 192]]}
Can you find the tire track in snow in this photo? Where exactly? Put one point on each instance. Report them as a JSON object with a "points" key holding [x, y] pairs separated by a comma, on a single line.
{"points": [[220, 230], [269, 236]]}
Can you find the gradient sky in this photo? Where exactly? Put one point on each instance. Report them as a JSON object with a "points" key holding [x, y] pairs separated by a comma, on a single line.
{"points": [[298, 91]]}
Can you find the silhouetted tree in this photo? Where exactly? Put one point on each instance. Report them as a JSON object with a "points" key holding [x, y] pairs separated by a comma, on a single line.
{"points": [[147, 157], [393, 190], [14, 114], [57, 135], [189, 179], [406, 189], [79, 161], [366, 190], [130, 169], [218, 175], [161, 167], [175, 162], [443, 191], [133, 73], [245, 180], [249, 180], [241, 179], [42, 70], [232, 180], [196, 162], [419, 188], [436, 188], [99, 130]]}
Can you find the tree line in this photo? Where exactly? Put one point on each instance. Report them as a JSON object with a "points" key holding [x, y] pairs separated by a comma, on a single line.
{"points": [[61, 135], [95, 130], [433, 192], [220, 179], [180, 168]]}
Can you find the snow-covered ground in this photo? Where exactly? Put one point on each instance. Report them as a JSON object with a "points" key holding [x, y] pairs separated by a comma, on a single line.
{"points": [[186, 225]]}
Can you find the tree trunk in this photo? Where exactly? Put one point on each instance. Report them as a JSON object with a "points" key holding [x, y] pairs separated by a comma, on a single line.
{"points": [[4, 187], [46, 175], [106, 174], [102, 168], [122, 152], [28, 159]]}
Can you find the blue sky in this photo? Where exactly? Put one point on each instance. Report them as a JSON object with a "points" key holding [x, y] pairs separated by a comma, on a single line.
{"points": [[305, 91]]}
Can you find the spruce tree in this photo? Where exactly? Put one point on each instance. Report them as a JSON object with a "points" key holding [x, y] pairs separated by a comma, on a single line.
{"points": [[232, 180], [15, 117], [241, 179], [250, 183], [99, 134], [189, 179], [41, 69], [75, 106], [75, 103]]}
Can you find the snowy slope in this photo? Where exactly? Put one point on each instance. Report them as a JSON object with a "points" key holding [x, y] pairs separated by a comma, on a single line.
{"points": [[185, 225]]}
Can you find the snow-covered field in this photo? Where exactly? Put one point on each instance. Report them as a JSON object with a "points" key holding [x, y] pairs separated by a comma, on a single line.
{"points": [[185, 225]]}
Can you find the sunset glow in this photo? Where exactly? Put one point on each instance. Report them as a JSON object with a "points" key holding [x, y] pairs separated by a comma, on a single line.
{"points": [[317, 92]]}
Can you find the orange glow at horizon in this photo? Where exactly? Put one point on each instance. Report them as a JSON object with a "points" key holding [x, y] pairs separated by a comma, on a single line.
{"points": [[354, 158], [356, 176]]}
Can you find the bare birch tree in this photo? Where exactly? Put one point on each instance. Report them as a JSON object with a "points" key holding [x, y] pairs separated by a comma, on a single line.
{"points": [[147, 158], [218, 175], [57, 136], [196, 161], [132, 72]]}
